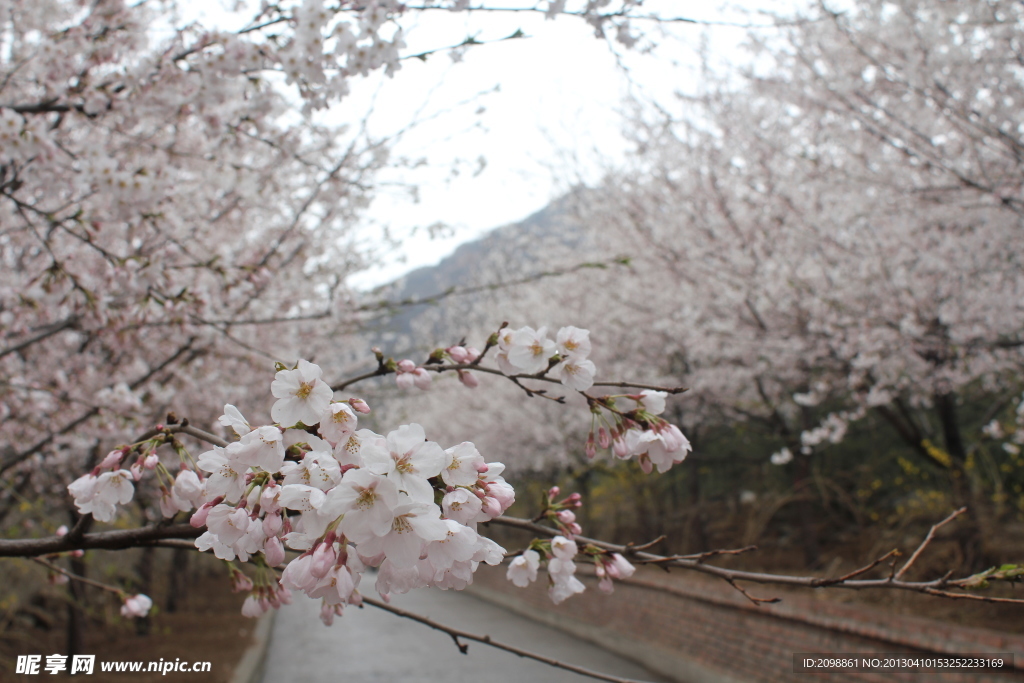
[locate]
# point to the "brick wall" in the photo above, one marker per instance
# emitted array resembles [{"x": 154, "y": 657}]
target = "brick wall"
[{"x": 700, "y": 631}]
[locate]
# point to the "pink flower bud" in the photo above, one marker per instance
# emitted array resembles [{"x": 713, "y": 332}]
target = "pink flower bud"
[
  {"x": 297, "y": 575},
  {"x": 240, "y": 582},
  {"x": 268, "y": 499},
  {"x": 274, "y": 551},
  {"x": 458, "y": 354},
  {"x": 252, "y": 608},
  {"x": 168, "y": 506},
  {"x": 77, "y": 553},
  {"x": 503, "y": 493},
  {"x": 554, "y": 491},
  {"x": 482, "y": 468},
  {"x": 422, "y": 379},
  {"x": 468, "y": 379},
  {"x": 490, "y": 507},
  {"x": 619, "y": 567},
  {"x": 406, "y": 365},
  {"x": 111, "y": 460},
  {"x": 359, "y": 405},
  {"x": 574, "y": 499},
  {"x": 62, "y": 530},
  {"x": 323, "y": 559},
  {"x": 272, "y": 524},
  {"x": 602, "y": 438},
  {"x": 198, "y": 519},
  {"x": 566, "y": 516},
  {"x": 136, "y": 471},
  {"x": 151, "y": 460},
  {"x": 472, "y": 353},
  {"x": 591, "y": 449}
]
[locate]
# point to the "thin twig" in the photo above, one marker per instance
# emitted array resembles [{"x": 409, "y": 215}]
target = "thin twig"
[
  {"x": 862, "y": 570},
  {"x": 76, "y": 577},
  {"x": 700, "y": 557},
  {"x": 644, "y": 546},
  {"x": 757, "y": 601},
  {"x": 633, "y": 385},
  {"x": 927, "y": 540},
  {"x": 486, "y": 640}
]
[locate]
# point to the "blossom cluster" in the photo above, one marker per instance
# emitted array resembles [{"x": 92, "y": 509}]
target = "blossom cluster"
[
  {"x": 345, "y": 498},
  {"x": 560, "y": 554},
  {"x": 527, "y": 351},
  {"x": 561, "y": 551},
  {"x": 636, "y": 431}
]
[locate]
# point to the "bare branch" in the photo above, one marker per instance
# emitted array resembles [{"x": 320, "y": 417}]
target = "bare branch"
[
  {"x": 756, "y": 601},
  {"x": 486, "y": 640},
  {"x": 76, "y": 577},
  {"x": 927, "y": 540},
  {"x": 652, "y": 387}
]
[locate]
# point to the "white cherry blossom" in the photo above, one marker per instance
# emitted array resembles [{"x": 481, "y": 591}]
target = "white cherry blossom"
[
  {"x": 414, "y": 524},
  {"x": 302, "y": 395},
  {"x": 408, "y": 460},
  {"x": 366, "y": 499},
  {"x": 337, "y": 423},
  {"x": 522, "y": 571},
  {"x": 529, "y": 350},
  {"x": 462, "y": 465}
]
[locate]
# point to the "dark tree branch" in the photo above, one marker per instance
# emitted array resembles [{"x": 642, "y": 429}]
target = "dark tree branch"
[{"x": 486, "y": 640}]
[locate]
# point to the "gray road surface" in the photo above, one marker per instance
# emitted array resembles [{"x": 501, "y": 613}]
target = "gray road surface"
[{"x": 370, "y": 645}]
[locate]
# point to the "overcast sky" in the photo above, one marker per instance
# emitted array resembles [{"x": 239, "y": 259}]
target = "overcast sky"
[{"x": 511, "y": 125}]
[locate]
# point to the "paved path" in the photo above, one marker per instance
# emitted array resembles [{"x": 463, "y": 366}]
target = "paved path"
[{"x": 369, "y": 645}]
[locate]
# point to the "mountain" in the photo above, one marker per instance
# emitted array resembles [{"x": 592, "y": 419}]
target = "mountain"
[{"x": 503, "y": 255}]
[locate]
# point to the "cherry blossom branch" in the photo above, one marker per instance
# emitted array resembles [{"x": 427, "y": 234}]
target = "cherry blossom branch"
[
  {"x": 933, "y": 587},
  {"x": 486, "y": 640}
]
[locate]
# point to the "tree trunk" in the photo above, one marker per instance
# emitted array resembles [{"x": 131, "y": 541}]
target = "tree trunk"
[
  {"x": 76, "y": 616},
  {"x": 145, "y": 572},
  {"x": 809, "y": 542},
  {"x": 697, "y": 536},
  {"x": 177, "y": 580}
]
